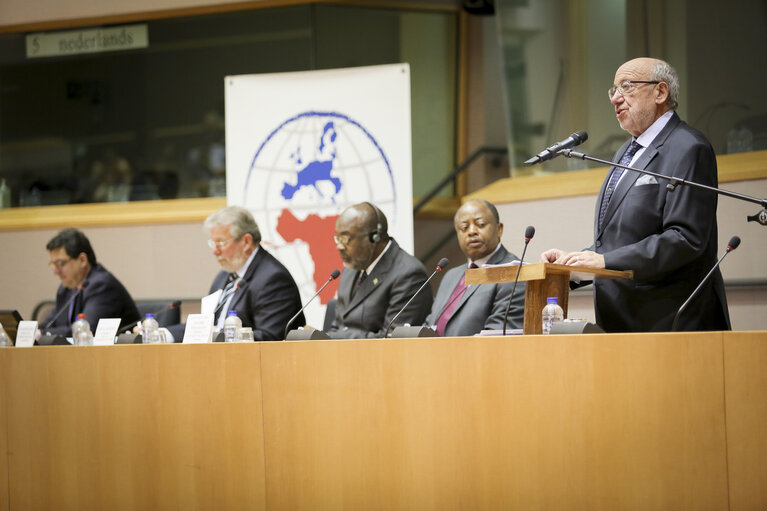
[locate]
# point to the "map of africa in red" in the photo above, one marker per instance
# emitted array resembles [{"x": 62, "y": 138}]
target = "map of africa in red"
[{"x": 317, "y": 232}]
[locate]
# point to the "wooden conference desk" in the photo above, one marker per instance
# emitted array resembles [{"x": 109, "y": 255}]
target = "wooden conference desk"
[{"x": 666, "y": 421}]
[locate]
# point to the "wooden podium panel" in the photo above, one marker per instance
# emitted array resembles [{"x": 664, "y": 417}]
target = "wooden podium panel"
[
  {"x": 543, "y": 280},
  {"x": 601, "y": 422},
  {"x": 745, "y": 370},
  {"x": 3, "y": 429},
  {"x": 135, "y": 427}
]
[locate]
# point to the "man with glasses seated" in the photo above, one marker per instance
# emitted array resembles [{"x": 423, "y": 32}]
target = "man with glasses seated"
[
  {"x": 379, "y": 277},
  {"x": 86, "y": 286},
  {"x": 252, "y": 281},
  {"x": 669, "y": 238}
]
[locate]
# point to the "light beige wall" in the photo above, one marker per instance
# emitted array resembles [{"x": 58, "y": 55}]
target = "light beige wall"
[{"x": 152, "y": 261}]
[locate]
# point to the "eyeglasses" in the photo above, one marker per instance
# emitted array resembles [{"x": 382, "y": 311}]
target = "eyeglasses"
[
  {"x": 627, "y": 87},
  {"x": 345, "y": 239},
  {"x": 219, "y": 244},
  {"x": 58, "y": 263}
]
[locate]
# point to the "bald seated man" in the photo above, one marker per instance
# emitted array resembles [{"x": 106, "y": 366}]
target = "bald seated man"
[
  {"x": 461, "y": 310},
  {"x": 378, "y": 279},
  {"x": 669, "y": 238}
]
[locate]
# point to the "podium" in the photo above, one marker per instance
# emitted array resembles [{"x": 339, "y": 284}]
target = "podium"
[{"x": 543, "y": 280}]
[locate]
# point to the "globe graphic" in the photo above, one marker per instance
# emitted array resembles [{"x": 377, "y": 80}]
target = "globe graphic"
[{"x": 306, "y": 171}]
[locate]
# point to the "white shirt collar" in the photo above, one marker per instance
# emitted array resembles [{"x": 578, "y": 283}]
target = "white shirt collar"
[
  {"x": 483, "y": 260},
  {"x": 646, "y": 138},
  {"x": 372, "y": 265},
  {"x": 242, "y": 269}
]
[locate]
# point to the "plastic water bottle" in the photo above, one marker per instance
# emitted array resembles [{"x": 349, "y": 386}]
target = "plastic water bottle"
[
  {"x": 81, "y": 331},
  {"x": 150, "y": 330},
  {"x": 4, "y": 339},
  {"x": 552, "y": 313},
  {"x": 232, "y": 325}
]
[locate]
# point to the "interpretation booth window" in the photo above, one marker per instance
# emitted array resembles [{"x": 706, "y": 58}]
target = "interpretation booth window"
[{"x": 135, "y": 111}]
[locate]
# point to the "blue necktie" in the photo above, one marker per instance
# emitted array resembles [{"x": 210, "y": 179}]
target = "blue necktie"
[{"x": 617, "y": 172}]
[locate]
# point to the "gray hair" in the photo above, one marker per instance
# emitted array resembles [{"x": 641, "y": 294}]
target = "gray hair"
[
  {"x": 663, "y": 72},
  {"x": 242, "y": 222}
]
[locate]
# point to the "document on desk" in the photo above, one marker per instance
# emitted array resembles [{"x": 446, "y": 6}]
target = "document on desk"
[
  {"x": 209, "y": 303},
  {"x": 199, "y": 328},
  {"x": 106, "y": 331},
  {"x": 25, "y": 334}
]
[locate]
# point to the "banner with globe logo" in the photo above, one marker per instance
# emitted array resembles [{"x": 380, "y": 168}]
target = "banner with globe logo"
[{"x": 301, "y": 147}]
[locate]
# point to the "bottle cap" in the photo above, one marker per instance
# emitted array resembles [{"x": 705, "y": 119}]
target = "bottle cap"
[
  {"x": 232, "y": 313},
  {"x": 149, "y": 315},
  {"x": 552, "y": 299},
  {"x": 81, "y": 315}
]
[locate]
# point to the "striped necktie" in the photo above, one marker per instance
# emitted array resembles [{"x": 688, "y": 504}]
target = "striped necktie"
[{"x": 617, "y": 172}]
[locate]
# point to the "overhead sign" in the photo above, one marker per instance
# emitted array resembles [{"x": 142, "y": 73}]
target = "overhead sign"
[{"x": 94, "y": 40}]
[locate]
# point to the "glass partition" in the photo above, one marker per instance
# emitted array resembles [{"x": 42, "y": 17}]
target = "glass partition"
[
  {"x": 560, "y": 57},
  {"x": 147, "y": 122}
]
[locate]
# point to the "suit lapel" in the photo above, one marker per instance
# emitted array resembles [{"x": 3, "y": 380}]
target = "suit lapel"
[
  {"x": 450, "y": 281},
  {"x": 498, "y": 257},
  {"x": 238, "y": 293},
  {"x": 376, "y": 278},
  {"x": 627, "y": 182}
]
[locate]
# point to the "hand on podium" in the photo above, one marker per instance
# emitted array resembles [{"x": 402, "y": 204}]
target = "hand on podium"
[{"x": 586, "y": 258}]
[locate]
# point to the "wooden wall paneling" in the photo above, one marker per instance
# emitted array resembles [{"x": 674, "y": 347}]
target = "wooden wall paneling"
[
  {"x": 562, "y": 422},
  {"x": 136, "y": 427},
  {"x": 745, "y": 372}
]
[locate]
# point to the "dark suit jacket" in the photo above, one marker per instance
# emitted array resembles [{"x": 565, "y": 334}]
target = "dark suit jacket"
[
  {"x": 668, "y": 238},
  {"x": 103, "y": 297},
  {"x": 482, "y": 306},
  {"x": 395, "y": 278},
  {"x": 266, "y": 299}
]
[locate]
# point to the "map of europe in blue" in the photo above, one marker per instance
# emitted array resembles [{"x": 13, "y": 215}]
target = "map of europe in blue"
[{"x": 319, "y": 169}]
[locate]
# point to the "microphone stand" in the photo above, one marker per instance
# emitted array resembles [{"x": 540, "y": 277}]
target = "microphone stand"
[{"x": 673, "y": 182}]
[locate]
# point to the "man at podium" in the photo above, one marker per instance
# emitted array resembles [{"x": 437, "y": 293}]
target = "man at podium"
[{"x": 668, "y": 238}]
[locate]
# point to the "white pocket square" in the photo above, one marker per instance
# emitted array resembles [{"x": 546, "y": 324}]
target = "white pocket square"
[{"x": 646, "y": 180}]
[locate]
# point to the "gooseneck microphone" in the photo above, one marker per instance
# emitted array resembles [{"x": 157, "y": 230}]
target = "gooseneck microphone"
[
  {"x": 65, "y": 306},
  {"x": 732, "y": 245},
  {"x": 529, "y": 233},
  {"x": 333, "y": 275},
  {"x": 440, "y": 266},
  {"x": 552, "y": 151}
]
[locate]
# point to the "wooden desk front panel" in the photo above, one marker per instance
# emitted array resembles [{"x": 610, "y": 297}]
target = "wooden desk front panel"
[
  {"x": 3, "y": 429},
  {"x": 745, "y": 371},
  {"x": 135, "y": 427},
  {"x": 563, "y": 422}
]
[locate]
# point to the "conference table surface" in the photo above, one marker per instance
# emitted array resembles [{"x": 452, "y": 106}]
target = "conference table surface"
[{"x": 640, "y": 421}]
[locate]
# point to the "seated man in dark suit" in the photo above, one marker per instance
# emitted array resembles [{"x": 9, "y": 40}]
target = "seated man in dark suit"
[
  {"x": 379, "y": 278},
  {"x": 466, "y": 310},
  {"x": 86, "y": 286},
  {"x": 253, "y": 282}
]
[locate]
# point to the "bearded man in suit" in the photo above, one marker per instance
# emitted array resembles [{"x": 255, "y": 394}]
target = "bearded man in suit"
[{"x": 669, "y": 238}]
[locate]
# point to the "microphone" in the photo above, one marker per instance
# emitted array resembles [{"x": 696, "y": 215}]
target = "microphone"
[
  {"x": 552, "y": 151},
  {"x": 65, "y": 306},
  {"x": 732, "y": 245},
  {"x": 529, "y": 233},
  {"x": 162, "y": 309},
  {"x": 333, "y": 275},
  {"x": 440, "y": 266}
]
